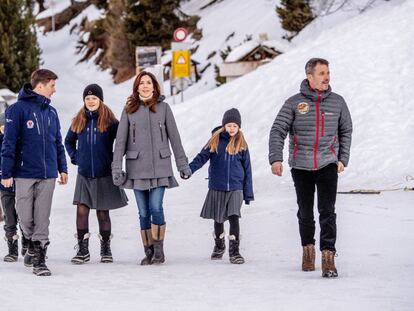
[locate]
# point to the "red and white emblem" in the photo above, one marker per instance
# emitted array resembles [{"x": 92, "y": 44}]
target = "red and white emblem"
[{"x": 30, "y": 124}]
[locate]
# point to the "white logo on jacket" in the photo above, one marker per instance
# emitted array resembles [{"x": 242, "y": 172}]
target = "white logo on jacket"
[{"x": 30, "y": 124}]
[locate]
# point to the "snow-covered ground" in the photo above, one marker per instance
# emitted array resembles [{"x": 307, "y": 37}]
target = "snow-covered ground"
[{"x": 372, "y": 67}]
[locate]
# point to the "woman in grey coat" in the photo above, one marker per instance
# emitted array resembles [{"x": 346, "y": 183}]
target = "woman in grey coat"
[{"x": 145, "y": 132}]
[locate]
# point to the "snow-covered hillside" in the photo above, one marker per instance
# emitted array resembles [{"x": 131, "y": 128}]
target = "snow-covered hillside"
[{"x": 371, "y": 67}]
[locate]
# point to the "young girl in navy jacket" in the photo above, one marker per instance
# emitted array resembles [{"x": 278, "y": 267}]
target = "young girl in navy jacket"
[
  {"x": 230, "y": 182},
  {"x": 89, "y": 143}
]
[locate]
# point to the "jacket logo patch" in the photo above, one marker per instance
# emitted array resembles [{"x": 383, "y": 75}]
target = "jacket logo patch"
[
  {"x": 30, "y": 124},
  {"x": 303, "y": 108}
]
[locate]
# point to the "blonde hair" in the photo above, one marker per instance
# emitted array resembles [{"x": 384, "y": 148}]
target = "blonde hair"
[{"x": 236, "y": 144}]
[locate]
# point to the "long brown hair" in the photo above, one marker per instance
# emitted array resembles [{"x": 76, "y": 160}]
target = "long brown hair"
[
  {"x": 105, "y": 119},
  {"x": 236, "y": 144},
  {"x": 133, "y": 101}
]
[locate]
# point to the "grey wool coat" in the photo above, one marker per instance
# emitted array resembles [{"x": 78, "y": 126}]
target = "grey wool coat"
[
  {"x": 319, "y": 127},
  {"x": 144, "y": 137}
]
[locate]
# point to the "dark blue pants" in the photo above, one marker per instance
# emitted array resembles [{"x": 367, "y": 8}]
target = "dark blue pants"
[
  {"x": 325, "y": 180},
  {"x": 150, "y": 207}
]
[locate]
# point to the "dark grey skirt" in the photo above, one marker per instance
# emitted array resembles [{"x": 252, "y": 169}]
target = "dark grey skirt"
[
  {"x": 219, "y": 205},
  {"x": 99, "y": 193}
]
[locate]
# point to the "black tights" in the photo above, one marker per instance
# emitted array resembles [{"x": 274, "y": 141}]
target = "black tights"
[
  {"x": 234, "y": 227},
  {"x": 82, "y": 222}
]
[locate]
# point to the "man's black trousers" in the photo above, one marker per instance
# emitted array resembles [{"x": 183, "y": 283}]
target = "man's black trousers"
[{"x": 326, "y": 181}]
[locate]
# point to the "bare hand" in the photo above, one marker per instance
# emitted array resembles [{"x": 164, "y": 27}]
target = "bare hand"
[
  {"x": 7, "y": 183},
  {"x": 341, "y": 167},
  {"x": 63, "y": 180},
  {"x": 277, "y": 168}
]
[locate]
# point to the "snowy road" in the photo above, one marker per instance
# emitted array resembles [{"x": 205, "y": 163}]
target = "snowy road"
[{"x": 375, "y": 248}]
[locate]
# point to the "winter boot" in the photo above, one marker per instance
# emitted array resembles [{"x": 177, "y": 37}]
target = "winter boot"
[
  {"x": 158, "y": 234},
  {"x": 12, "y": 243},
  {"x": 148, "y": 242},
  {"x": 39, "y": 259},
  {"x": 82, "y": 256},
  {"x": 328, "y": 264},
  {"x": 234, "y": 254},
  {"x": 25, "y": 244},
  {"x": 219, "y": 247},
  {"x": 28, "y": 257},
  {"x": 106, "y": 254},
  {"x": 308, "y": 258}
]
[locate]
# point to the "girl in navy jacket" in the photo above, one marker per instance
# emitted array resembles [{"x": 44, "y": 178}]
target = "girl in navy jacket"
[
  {"x": 89, "y": 143},
  {"x": 230, "y": 182}
]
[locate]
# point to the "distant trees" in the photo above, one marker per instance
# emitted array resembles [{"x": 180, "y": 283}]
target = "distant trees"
[
  {"x": 19, "y": 49},
  {"x": 294, "y": 15}
]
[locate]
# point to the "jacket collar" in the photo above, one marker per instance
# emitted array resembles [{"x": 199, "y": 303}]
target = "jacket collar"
[
  {"x": 312, "y": 94},
  {"x": 28, "y": 95}
]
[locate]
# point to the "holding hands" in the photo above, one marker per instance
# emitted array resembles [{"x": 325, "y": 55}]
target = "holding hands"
[{"x": 186, "y": 173}]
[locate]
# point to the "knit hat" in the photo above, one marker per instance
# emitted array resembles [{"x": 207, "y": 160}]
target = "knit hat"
[
  {"x": 93, "y": 89},
  {"x": 2, "y": 119},
  {"x": 232, "y": 116}
]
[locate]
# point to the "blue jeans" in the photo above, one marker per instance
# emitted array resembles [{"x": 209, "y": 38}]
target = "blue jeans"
[{"x": 150, "y": 207}]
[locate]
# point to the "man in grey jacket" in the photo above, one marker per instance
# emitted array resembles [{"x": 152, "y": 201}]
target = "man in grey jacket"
[{"x": 320, "y": 129}]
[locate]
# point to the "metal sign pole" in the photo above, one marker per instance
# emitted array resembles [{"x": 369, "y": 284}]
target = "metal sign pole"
[{"x": 182, "y": 89}]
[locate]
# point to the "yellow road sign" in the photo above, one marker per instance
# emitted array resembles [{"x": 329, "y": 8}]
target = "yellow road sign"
[{"x": 181, "y": 64}]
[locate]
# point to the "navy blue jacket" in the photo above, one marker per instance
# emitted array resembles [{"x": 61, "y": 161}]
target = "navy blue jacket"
[
  {"x": 93, "y": 153},
  {"x": 226, "y": 172},
  {"x": 32, "y": 146},
  {"x": 2, "y": 188}
]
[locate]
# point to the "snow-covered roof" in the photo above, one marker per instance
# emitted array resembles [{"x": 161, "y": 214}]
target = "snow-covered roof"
[
  {"x": 7, "y": 92},
  {"x": 241, "y": 51}
]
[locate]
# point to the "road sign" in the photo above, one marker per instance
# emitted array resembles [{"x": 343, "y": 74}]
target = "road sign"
[
  {"x": 180, "y": 34},
  {"x": 181, "y": 64},
  {"x": 146, "y": 56}
]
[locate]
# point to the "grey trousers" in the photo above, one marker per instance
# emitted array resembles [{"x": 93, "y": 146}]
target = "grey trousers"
[
  {"x": 10, "y": 215},
  {"x": 33, "y": 205}
]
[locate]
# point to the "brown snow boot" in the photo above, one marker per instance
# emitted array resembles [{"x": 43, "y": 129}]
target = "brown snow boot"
[
  {"x": 308, "y": 258},
  {"x": 328, "y": 264},
  {"x": 158, "y": 234},
  {"x": 148, "y": 242}
]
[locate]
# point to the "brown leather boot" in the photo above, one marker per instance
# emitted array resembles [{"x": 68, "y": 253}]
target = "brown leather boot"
[
  {"x": 308, "y": 258},
  {"x": 148, "y": 242},
  {"x": 328, "y": 264},
  {"x": 158, "y": 234}
]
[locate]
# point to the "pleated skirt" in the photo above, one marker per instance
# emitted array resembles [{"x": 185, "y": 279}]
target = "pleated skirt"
[
  {"x": 98, "y": 193},
  {"x": 219, "y": 205}
]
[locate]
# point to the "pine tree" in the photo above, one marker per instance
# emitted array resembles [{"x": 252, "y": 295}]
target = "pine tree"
[
  {"x": 19, "y": 49},
  {"x": 151, "y": 22},
  {"x": 294, "y": 15}
]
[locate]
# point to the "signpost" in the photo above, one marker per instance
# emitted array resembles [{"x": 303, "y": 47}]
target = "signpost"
[
  {"x": 181, "y": 62},
  {"x": 146, "y": 56}
]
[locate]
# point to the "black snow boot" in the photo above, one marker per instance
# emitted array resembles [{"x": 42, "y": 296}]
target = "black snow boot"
[
  {"x": 39, "y": 259},
  {"x": 25, "y": 244},
  {"x": 234, "y": 254},
  {"x": 82, "y": 256},
  {"x": 12, "y": 244},
  {"x": 106, "y": 254},
  {"x": 28, "y": 257},
  {"x": 158, "y": 234},
  {"x": 219, "y": 247},
  {"x": 148, "y": 242}
]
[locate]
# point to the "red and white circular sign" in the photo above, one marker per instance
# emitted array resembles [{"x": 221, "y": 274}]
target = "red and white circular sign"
[{"x": 180, "y": 34}]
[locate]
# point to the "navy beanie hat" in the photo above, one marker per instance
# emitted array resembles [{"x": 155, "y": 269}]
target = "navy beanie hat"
[
  {"x": 93, "y": 89},
  {"x": 232, "y": 116}
]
